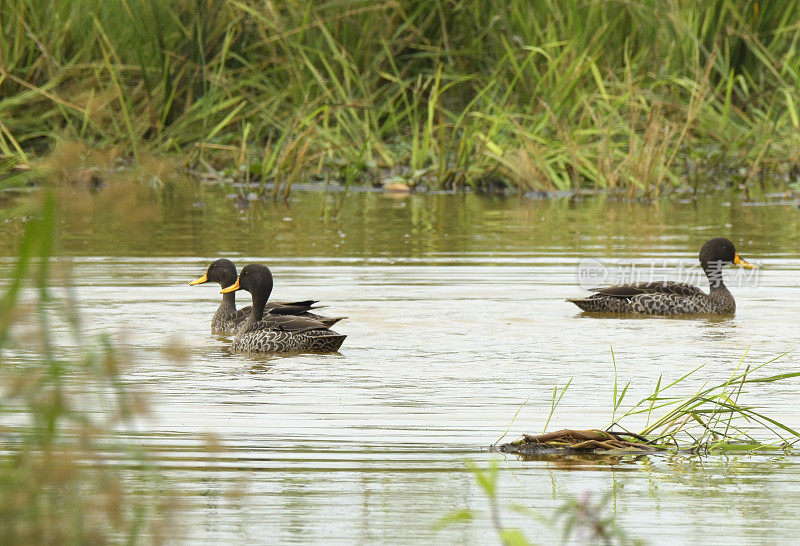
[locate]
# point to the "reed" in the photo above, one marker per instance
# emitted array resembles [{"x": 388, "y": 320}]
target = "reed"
[
  {"x": 712, "y": 418},
  {"x": 641, "y": 97}
]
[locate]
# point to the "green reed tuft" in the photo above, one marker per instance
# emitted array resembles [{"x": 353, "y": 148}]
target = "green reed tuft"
[{"x": 712, "y": 418}]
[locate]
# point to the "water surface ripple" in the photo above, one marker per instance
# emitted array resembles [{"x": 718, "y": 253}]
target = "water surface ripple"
[{"x": 456, "y": 316}]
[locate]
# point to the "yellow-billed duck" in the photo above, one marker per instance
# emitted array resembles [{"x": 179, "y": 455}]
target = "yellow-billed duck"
[
  {"x": 227, "y": 317},
  {"x": 673, "y": 298},
  {"x": 262, "y": 333}
]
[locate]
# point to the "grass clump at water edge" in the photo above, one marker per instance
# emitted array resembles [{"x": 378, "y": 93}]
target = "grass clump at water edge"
[{"x": 642, "y": 97}]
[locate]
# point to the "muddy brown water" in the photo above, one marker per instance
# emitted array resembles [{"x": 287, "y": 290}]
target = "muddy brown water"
[{"x": 456, "y": 316}]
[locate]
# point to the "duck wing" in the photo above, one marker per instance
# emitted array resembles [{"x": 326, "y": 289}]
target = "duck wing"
[
  {"x": 289, "y": 323},
  {"x": 276, "y": 308},
  {"x": 277, "y": 313},
  {"x": 656, "y": 287},
  {"x": 239, "y": 315},
  {"x": 290, "y": 308}
]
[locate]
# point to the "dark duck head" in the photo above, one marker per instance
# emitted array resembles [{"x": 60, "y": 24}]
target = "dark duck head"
[
  {"x": 256, "y": 279},
  {"x": 221, "y": 271},
  {"x": 716, "y": 254}
]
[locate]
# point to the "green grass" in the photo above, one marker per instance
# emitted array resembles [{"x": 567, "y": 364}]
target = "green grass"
[
  {"x": 642, "y": 96},
  {"x": 712, "y": 419}
]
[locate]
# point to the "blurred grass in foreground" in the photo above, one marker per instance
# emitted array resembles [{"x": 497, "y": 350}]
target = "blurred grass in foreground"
[
  {"x": 66, "y": 476},
  {"x": 641, "y": 96}
]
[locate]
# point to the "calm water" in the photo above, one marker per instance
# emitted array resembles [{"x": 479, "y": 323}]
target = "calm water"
[{"x": 456, "y": 317}]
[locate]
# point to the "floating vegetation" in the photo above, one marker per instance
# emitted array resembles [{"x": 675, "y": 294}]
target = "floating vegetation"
[
  {"x": 710, "y": 420},
  {"x": 568, "y": 441}
]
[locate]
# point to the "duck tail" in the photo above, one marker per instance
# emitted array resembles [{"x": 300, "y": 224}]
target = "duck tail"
[
  {"x": 330, "y": 321},
  {"x": 583, "y": 304},
  {"x": 304, "y": 303},
  {"x": 325, "y": 341}
]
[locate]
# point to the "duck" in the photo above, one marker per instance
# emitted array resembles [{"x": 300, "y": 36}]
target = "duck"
[
  {"x": 227, "y": 317},
  {"x": 260, "y": 333},
  {"x": 673, "y": 298}
]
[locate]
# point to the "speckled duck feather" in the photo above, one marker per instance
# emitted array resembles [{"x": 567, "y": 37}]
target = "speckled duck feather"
[{"x": 676, "y": 299}]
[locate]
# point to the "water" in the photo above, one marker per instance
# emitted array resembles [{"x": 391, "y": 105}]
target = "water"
[{"x": 456, "y": 316}]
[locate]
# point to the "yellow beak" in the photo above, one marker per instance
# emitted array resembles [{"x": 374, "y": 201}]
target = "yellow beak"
[
  {"x": 200, "y": 280},
  {"x": 232, "y": 288},
  {"x": 739, "y": 261}
]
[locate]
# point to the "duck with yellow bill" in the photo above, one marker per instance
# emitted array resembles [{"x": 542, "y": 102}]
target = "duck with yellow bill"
[{"x": 673, "y": 298}]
